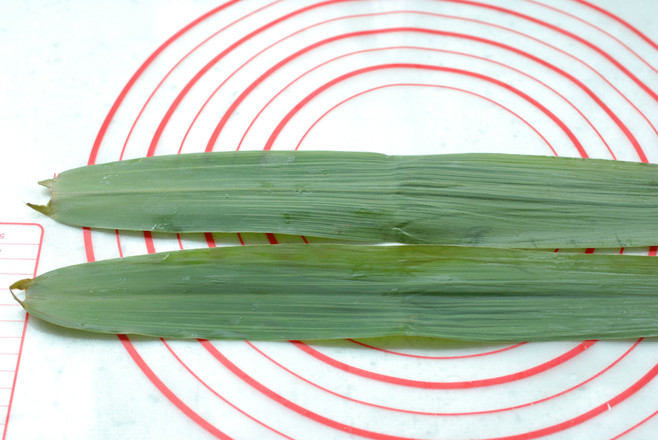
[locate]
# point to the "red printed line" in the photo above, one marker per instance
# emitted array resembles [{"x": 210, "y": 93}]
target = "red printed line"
[
  {"x": 637, "y": 425},
  {"x": 337, "y": 80},
  {"x": 432, "y": 49},
  {"x": 619, "y": 20},
  {"x": 166, "y": 391},
  {"x": 289, "y": 404},
  {"x": 375, "y": 435},
  {"x": 470, "y": 413},
  {"x": 444, "y": 385},
  {"x": 439, "y": 50},
  {"x": 566, "y": 33},
  {"x": 116, "y": 232},
  {"x": 41, "y": 232},
  {"x": 232, "y": 108},
  {"x": 606, "y": 406},
  {"x": 148, "y": 239},
  {"x": 15, "y": 372},
  {"x": 179, "y": 98},
  {"x": 222, "y": 398},
  {"x": 599, "y": 29},
  {"x": 157, "y": 87},
  {"x": 131, "y": 82},
  {"x": 210, "y": 240},
  {"x": 417, "y": 356},
  {"x": 89, "y": 247},
  {"x": 213, "y": 138},
  {"x": 22, "y": 337},
  {"x": 310, "y": 128},
  {"x": 274, "y": 22}
]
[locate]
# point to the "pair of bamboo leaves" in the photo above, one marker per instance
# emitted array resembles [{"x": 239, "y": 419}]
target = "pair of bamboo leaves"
[{"x": 476, "y": 262}]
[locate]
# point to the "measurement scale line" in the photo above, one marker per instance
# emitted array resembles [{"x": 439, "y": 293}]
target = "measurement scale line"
[
  {"x": 18, "y": 363},
  {"x": 14, "y": 372}
]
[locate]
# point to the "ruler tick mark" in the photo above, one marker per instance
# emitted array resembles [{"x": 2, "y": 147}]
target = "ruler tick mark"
[{"x": 23, "y": 253}]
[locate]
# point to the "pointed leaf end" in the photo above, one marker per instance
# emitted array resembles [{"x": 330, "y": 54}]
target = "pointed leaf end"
[
  {"x": 48, "y": 183},
  {"x": 43, "y": 209},
  {"x": 23, "y": 284}
]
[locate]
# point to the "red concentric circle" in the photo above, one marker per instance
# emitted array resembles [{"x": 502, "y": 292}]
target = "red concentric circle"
[{"x": 551, "y": 77}]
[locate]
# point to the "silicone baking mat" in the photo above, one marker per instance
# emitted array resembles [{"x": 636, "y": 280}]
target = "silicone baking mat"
[{"x": 91, "y": 82}]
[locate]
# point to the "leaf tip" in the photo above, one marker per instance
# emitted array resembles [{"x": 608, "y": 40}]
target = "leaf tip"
[
  {"x": 23, "y": 284},
  {"x": 48, "y": 183},
  {"x": 43, "y": 209}
]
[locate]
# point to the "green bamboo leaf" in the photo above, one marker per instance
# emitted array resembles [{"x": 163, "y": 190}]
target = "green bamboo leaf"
[
  {"x": 495, "y": 200},
  {"x": 325, "y": 291}
]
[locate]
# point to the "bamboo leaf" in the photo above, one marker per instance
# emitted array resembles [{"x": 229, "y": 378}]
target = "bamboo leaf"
[
  {"x": 322, "y": 291},
  {"x": 464, "y": 199}
]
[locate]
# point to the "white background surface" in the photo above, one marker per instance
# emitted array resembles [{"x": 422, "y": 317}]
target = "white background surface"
[{"x": 62, "y": 65}]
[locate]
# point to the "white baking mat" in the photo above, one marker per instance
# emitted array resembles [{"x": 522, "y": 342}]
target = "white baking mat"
[{"x": 90, "y": 82}]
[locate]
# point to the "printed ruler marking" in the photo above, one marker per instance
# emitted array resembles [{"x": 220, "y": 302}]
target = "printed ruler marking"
[{"x": 20, "y": 249}]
